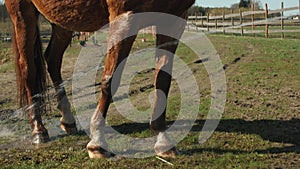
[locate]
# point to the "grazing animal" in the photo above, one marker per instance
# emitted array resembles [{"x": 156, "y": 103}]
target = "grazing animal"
[{"x": 87, "y": 15}]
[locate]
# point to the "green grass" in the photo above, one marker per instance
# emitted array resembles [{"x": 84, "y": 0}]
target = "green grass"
[
  {"x": 259, "y": 128},
  {"x": 6, "y": 59},
  {"x": 287, "y": 35},
  {"x": 6, "y": 67}
]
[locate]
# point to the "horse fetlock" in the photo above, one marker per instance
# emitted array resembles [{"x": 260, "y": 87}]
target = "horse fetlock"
[
  {"x": 67, "y": 122},
  {"x": 64, "y": 104},
  {"x": 40, "y": 137},
  {"x": 69, "y": 128},
  {"x": 98, "y": 140},
  {"x": 98, "y": 134},
  {"x": 164, "y": 141},
  {"x": 65, "y": 109}
]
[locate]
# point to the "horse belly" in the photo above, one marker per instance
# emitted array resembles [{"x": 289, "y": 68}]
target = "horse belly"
[{"x": 74, "y": 15}]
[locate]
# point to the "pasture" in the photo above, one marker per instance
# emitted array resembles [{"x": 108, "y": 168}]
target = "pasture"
[{"x": 260, "y": 127}]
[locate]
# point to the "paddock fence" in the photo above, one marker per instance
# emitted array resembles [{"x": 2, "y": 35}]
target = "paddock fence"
[{"x": 253, "y": 22}]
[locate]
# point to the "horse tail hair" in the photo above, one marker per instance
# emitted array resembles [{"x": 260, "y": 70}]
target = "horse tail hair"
[
  {"x": 40, "y": 69},
  {"x": 21, "y": 91}
]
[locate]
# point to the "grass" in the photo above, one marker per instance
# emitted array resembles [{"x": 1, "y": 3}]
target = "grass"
[
  {"x": 288, "y": 35},
  {"x": 259, "y": 128},
  {"x": 6, "y": 63}
]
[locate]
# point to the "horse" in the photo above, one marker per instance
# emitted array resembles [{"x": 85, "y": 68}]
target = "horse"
[{"x": 87, "y": 16}]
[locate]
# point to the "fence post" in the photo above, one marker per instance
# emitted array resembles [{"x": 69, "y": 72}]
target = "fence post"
[
  {"x": 282, "y": 21},
  {"x": 267, "y": 25},
  {"x": 232, "y": 20},
  {"x": 202, "y": 24},
  {"x": 223, "y": 22},
  {"x": 253, "y": 8},
  {"x": 241, "y": 22},
  {"x": 207, "y": 22},
  {"x": 216, "y": 22},
  {"x": 196, "y": 19},
  {"x": 153, "y": 31}
]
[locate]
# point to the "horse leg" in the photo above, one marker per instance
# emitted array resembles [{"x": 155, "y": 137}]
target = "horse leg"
[
  {"x": 60, "y": 39},
  {"x": 118, "y": 50},
  {"x": 166, "y": 47},
  {"x": 29, "y": 64}
]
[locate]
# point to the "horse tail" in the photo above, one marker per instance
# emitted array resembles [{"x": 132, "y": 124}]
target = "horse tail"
[
  {"x": 21, "y": 91},
  {"x": 40, "y": 67}
]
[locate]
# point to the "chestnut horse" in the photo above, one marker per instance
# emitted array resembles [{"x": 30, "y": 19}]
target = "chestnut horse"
[{"x": 87, "y": 15}]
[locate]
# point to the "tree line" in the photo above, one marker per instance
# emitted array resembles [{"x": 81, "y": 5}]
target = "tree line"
[
  {"x": 243, "y": 4},
  {"x": 3, "y": 13}
]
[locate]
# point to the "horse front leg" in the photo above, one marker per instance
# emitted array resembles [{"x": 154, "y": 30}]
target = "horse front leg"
[
  {"x": 166, "y": 47},
  {"x": 60, "y": 39},
  {"x": 30, "y": 67},
  {"x": 119, "y": 46}
]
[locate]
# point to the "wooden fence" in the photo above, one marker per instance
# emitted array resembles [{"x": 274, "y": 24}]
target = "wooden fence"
[{"x": 248, "y": 22}]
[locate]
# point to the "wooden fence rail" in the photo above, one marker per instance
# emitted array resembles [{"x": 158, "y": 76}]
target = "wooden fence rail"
[{"x": 243, "y": 21}]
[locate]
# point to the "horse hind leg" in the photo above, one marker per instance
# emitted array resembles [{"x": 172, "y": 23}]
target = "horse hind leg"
[
  {"x": 29, "y": 64},
  {"x": 60, "y": 39},
  {"x": 166, "y": 47}
]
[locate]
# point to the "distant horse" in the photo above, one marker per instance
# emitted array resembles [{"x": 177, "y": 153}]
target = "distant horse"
[{"x": 87, "y": 15}]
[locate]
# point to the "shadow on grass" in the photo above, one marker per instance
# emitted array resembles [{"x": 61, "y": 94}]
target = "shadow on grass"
[
  {"x": 280, "y": 131},
  {"x": 286, "y": 149}
]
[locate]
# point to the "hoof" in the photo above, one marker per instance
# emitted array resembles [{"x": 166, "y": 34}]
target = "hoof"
[
  {"x": 172, "y": 153},
  {"x": 98, "y": 152},
  {"x": 39, "y": 138},
  {"x": 69, "y": 128}
]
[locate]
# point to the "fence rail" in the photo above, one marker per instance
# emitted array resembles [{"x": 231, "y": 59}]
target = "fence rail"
[{"x": 243, "y": 21}]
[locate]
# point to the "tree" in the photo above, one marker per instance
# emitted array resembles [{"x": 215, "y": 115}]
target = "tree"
[
  {"x": 247, "y": 4},
  {"x": 197, "y": 10},
  {"x": 3, "y": 12}
]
